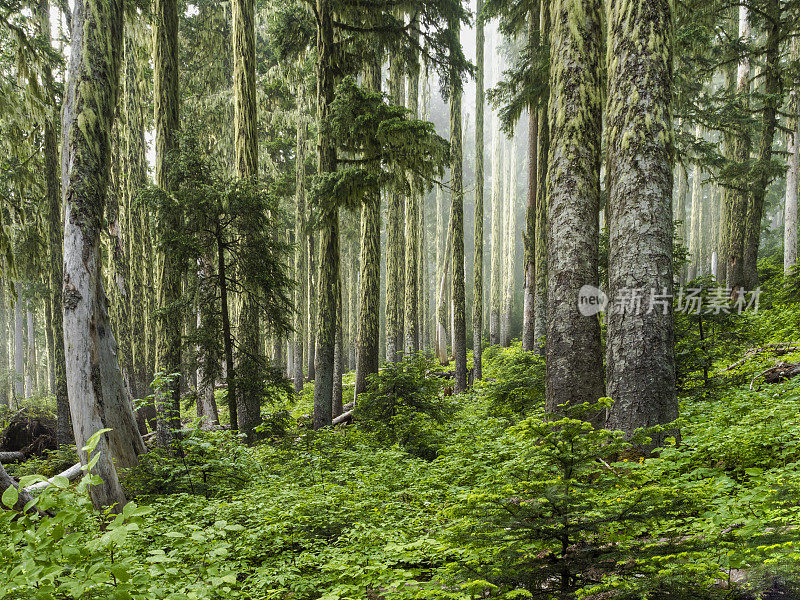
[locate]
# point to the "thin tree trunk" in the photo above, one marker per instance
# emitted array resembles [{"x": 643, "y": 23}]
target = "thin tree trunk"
[
  {"x": 540, "y": 243},
  {"x": 497, "y": 237},
  {"x": 790, "y": 203},
  {"x": 640, "y": 343},
  {"x": 477, "y": 296},
  {"x": 32, "y": 371},
  {"x": 5, "y": 397},
  {"x": 169, "y": 321},
  {"x": 19, "y": 346},
  {"x": 300, "y": 263},
  {"x": 97, "y": 396},
  {"x": 510, "y": 285}
]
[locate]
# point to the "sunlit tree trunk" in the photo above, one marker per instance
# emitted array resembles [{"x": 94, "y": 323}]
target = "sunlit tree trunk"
[
  {"x": 640, "y": 343},
  {"x": 97, "y": 396}
]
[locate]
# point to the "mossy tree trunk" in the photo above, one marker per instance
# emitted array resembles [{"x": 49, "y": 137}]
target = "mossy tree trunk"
[
  {"x": 249, "y": 364},
  {"x": 640, "y": 343},
  {"x": 457, "y": 225},
  {"x": 412, "y": 233},
  {"x": 327, "y": 285},
  {"x": 477, "y": 297},
  {"x": 540, "y": 242},
  {"x": 792, "y": 175},
  {"x": 495, "y": 293},
  {"x": 168, "y": 274},
  {"x": 574, "y": 355},
  {"x": 368, "y": 341},
  {"x": 97, "y": 396}
]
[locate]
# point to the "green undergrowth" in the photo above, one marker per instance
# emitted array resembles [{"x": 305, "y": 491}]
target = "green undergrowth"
[{"x": 431, "y": 496}]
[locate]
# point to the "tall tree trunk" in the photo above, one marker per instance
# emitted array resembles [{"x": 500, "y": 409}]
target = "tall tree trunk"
[
  {"x": 5, "y": 397},
  {"x": 640, "y": 358},
  {"x": 495, "y": 304},
  {"x": 311, "y": 291},
  {"x": 54, "y": 244},
  {"x": 792, "y": 174},
  {"x": 368, "y": 341},
  {"x": 32, "y": 360},
  {"x": 457, "y": 225},
  {"x": 395, "y": 226},
  {"x": 338, "y": 357},
  {"x": 540, "y": 243},
  {"x": 168, "y": 276},
  {"x": 329, "y": 225},
  {"x": 98, "y": 399},
  {"x": 574, "y": 355},
  {"x": 250, "y": 361},
  {"x": 773, "y": 97},
  {"x": 227, "y": 333},
  {"x": 135, "y": 215},
  {"x": 529, "y": 238},
  {"x": 680, "y": 211},
  {"x": 412, "y": 233},
  {"x": 697, "y": 213},
  {"x": 19, "y": 346},
  {"x": 477, "y": 296},
  {"x": 509, "y": 285},
  {"x": 300, "y": 263},
  {"x": 737, "y": 197}
]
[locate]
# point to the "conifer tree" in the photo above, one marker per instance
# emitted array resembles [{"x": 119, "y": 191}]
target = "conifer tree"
[
  {"x": 540, "y": 243},
  {"x": 168, "y": 276},
  {"x": 497, "y": 241},
  {"x": 412, "y": 233},
  {"x": 457, "y": 220},
  {"x": 792, "y": 175},
  {"x": 574, "y": 357},
  {"x": 477, "y": 302},
  {"x": 99, "y": 401},
  {"x": 640, "y": 343}
]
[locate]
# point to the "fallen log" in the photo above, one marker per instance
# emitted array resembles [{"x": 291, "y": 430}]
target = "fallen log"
[
  {"x": 73, "y": 473},
  {"x": 22, "y": 499},
  {"x": 8, "y": 457},
  {"x": 775, "y": 348},
  {"x": 343, "y": 418},
  {"x": 778, "y": 373}
]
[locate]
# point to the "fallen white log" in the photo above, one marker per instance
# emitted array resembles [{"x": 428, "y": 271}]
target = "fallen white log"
[
  {"x": 7, "y": 457},
  {"x": 342, "y": 418},
  {"x": 71, "y": 474}
]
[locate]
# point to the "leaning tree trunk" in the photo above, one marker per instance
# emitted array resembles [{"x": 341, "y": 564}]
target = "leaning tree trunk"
[
  {"x": 640, "y": 358},
  {"x": 98, "y": 399},
  {"x": 477, "y": 297},
  {"x": 368, "y": 341},
  {"x": 574, "y": 356}
]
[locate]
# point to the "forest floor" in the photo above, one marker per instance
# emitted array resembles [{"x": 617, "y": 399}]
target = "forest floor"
[{"x": 477, "y": 495}]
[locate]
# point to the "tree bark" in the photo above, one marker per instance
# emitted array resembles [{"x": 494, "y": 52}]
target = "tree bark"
[
  {"x": 368, "y": 341},
  {"x": 97, "y": 396},
  {"x": 168, "y": 275},
  {"x": 790, "y": 203},
  {"x": 640, "y": 343},
  {"x": 495, "y": 303},
  {"x": 412, "y": 233},
  {"x": 19, "y": 346},
  {"x": 300, "y": 263},
  {"x": 477, "y": 284},
  {"x": 329, "y": 225}
]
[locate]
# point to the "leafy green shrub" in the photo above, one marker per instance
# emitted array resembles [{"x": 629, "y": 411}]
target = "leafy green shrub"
[
  {"x": 51, "y": 463},
  {"x": 513, "y": 380},
  {"x": 404, "y": 405},
  {"x": 207, "y": 463}
]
